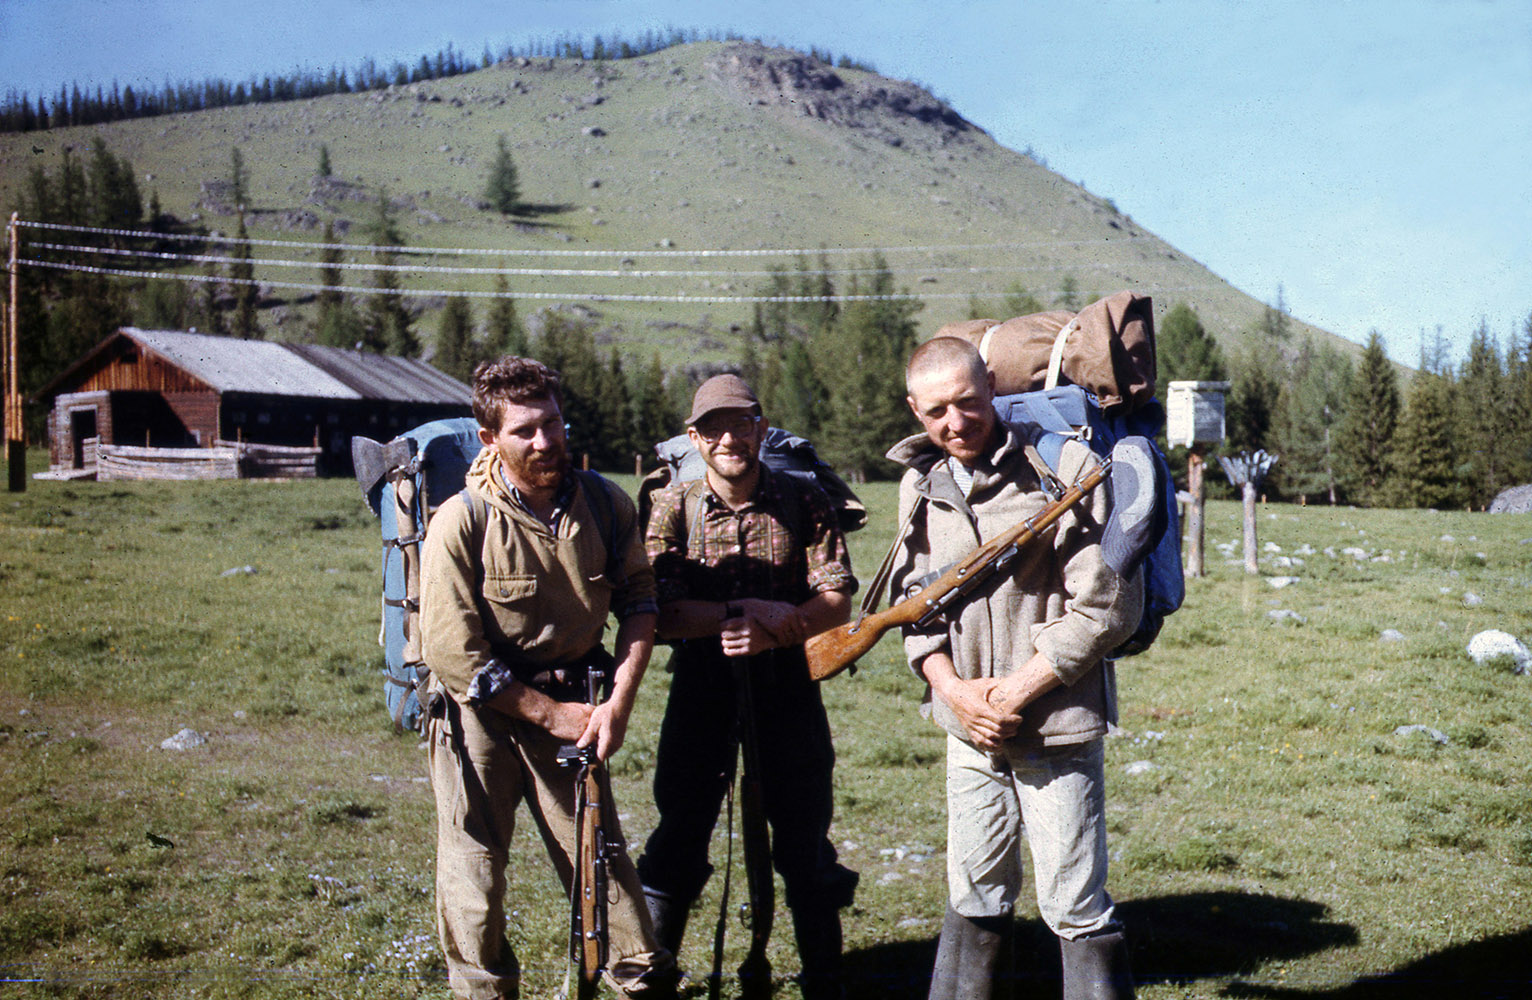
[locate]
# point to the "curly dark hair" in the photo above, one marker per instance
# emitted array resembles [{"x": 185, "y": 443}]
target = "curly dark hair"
[{"x": 511, "y": 379}]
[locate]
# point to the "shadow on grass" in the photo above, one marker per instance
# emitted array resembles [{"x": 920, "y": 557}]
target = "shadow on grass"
[
  {"x": 1206, "y": 935},
  {"x": 1499, "y": 968}
]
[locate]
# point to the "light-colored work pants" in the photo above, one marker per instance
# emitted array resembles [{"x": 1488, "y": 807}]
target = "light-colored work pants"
[
  {"x": 483, "y": 764},
  {"x": 1055, "y": 799}
]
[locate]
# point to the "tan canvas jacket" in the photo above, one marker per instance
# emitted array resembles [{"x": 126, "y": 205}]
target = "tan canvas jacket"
[
  {"x": 541, "y": 598},
  {"x": 1060, "y": 597}
]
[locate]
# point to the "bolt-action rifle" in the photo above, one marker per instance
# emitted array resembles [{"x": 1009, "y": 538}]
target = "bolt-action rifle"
[
  {"x": 592, "y": 870},
  {"x": 834, "y": 650}
]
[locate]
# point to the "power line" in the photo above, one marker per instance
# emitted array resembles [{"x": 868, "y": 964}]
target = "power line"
[
  {"x": 560, "y": 296},
  {"x": 552, "y": 252}
]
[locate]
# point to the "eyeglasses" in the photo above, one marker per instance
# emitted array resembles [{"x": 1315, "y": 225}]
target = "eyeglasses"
[{"x": 714, "y": 428}]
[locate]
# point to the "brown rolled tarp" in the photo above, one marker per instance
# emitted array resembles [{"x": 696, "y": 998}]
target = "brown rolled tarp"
[{"x": 1109, "y": 352}]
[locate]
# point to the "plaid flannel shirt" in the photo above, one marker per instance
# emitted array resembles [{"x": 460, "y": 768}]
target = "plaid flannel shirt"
[{"x": 748, "y": 552}]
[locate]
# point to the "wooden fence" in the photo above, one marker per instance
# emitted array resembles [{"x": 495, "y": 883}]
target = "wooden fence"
[{"x": 227, "y": 460}]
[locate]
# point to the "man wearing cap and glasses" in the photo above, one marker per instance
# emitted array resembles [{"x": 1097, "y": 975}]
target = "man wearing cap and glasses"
[{"x": 747, "y": 563}]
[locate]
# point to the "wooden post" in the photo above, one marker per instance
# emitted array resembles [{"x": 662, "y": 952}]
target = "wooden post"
[
  {"x": 15, "y": 438},
  {"x": 1252, "y": 564},
  {"x": 1195, "y": 532}
]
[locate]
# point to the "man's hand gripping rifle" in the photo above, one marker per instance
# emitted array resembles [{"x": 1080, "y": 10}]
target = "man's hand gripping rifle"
[
  {"x": 832, "y": 651},
  {"x": 588, "y": 890}
]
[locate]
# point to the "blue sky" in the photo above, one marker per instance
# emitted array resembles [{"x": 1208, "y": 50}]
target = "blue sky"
[{"x": 1370, "y": 157}]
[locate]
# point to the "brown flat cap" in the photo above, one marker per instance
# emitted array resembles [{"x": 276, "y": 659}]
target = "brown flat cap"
[{"x": 722, "y": 392}]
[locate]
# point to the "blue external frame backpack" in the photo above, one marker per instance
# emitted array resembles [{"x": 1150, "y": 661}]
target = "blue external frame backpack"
[
  {"x": 1144, "y": 526},
  {"x": 403, "y": 482}
]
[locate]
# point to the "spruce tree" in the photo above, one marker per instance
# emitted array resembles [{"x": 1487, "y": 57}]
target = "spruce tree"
[
  {"x": 861, "y": 362},
  {"x": 1484, "y": 421},
  {"x": 1364, "y": 439},
  {"x": 1252, "y": 400},
  {"x": 1310, "y": 406},
  {"x": 239, "y": 179},
  {"x": 1425, "y": 458},
  {"x": 388, "y": 326},
  {"x": 655, "y": 418},
  {"x": 242, "y": 280},
  {"x": 324, "y": 160},
  {"x": 454, "y": 340},
  {"x": 1519, "y": 404},
  {"x": 614, "y": 410},
  {"x": 503, "y": 190},
  {"x": 503, "y": 333},
  {"x": 1185, "y": 351},
  {"x": 1017, "y": 301}
]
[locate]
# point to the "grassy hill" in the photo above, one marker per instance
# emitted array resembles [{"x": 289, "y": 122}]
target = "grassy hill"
[{"x": 651, "y": 161}]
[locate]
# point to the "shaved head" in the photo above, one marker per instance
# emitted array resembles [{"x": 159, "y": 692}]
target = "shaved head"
[
  {"x": 944, "y": 354},
  {"x": 952, "y": 394}
]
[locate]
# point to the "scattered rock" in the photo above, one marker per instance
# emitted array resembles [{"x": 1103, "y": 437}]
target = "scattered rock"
[
  {"x": 1286, "y": 615},
  {"x": 186, "y": 739},
  {"x": 1278, "y": 582},
  {"x": 1141, "y": 767},
  {"x": 1391, "y": 635},
  {"x": 1493, "y": 644},
  {"x": 238, "y": 570},
  {"x": 1436, "y": 734},
  {"x": 1472, "y": 600}
]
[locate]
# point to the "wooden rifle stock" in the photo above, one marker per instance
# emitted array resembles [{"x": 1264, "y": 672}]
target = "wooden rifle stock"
[
  {"x": 588, "y": 894},
  {"x": 834, "y": 650}
]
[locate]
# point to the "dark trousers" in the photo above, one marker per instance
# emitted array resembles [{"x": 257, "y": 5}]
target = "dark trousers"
[{"x": 696, "y": 761}]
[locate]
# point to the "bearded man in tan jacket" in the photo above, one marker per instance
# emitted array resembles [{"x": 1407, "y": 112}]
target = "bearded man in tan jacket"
[
  {"x": 1019, "y": 680},
  {"x": 519, "y": 574}
]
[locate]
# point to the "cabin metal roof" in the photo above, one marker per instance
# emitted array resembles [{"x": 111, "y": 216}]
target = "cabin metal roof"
[{"x": 228, "y": 364}]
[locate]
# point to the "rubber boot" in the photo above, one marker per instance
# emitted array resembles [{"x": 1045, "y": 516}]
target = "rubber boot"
[
  {"x": 973, "y": 958},
  {"x": 1096, "y": 967},
  {"x": 817, "y": 930},
  {"x": 668, "y": 913}
]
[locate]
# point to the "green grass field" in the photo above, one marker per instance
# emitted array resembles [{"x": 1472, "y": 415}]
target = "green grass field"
[{"x": 1275, "y": 838}]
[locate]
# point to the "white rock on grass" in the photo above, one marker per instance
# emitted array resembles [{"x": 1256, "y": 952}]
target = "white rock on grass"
[
  {"x": 1286, "y": 615},
  {"x": 1391, "y": 635},
  {"x": 1435, "y": 734},
  {"x": 1141, "y": 767},
  {"x": 1472, "y": 600},
  {"x": 1279, "y": 582},
  {"x": 186, "y": 739},
  {"x": 1493, "y": 644}
]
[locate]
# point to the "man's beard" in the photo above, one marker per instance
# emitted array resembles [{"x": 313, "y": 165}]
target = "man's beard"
[{"x": 541, "y": 471}]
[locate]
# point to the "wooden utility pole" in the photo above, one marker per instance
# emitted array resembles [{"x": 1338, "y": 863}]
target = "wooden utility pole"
[{"x": 15, "y": 438}]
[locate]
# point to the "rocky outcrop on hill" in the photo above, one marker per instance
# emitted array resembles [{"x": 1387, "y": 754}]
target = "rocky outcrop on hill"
[{"x": 884, "y": 108}]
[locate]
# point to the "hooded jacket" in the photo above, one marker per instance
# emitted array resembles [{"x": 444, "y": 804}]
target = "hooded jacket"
[
  {"x": 515, "y": 590},
  {"x": 1059, "y": 597}
]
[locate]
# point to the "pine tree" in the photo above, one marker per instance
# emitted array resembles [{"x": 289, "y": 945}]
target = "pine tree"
[
  {"x": 797, "y": 394},
  {"x": 614, "y": 410},
  {"x": 1364, "y": 439},
  {"x": 324, "y": 160},
  {"x": 1069, "y": 294},
  {"x": 1185, "y": 351},
  {"x": 568, "y": 346},
  {"x": 242, "y": 279},
  {"x": 330, "y": 273},
  {"x": 503, "y": 191},
  {"x": 454, "y": 340}
]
